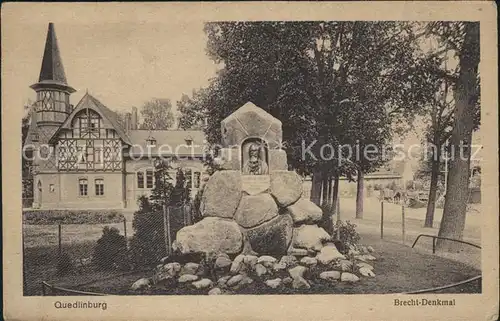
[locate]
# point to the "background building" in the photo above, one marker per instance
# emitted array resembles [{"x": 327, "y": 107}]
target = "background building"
[{"x": 83, "y": 156}]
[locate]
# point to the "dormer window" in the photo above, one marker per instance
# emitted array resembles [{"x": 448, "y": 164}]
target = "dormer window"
[{"x": 150, "y": 142}]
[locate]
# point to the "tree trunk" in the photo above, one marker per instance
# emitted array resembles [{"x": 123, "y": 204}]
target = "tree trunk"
[
  {"x": 431, "y": 204},
  {"x": 324, "y": 194},
  {"x": 330, "y": 192},
  {"x": 335, "y": 193},
  {"x": 317, "y": 180},
  {"x": 466, "y": 95},
  {"x": 327, "y": 220},
  {"x": 359, "y": 195}
]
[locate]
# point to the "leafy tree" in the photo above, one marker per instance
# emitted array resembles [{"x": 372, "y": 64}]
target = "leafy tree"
[
  {"x": 27, "y": 178},
  {"x": 463, "y": 38},
  {"x": 157, "y": 115},
  {"x": 121, "y": 116},
  {"x": 188, "y": 108},
  {"x": 111, "y": 250},
  {"x": 148, "y": 242},
  {"x": 310, "y": 75}
]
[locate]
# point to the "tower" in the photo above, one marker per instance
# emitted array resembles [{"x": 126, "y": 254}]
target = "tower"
[{"x": 52, "y": 105}]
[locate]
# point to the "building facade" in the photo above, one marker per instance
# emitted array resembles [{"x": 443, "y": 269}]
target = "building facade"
[{"x": 85, "y": 156}]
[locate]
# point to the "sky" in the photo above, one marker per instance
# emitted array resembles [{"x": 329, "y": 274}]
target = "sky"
[{"x": 123, "y": 64}]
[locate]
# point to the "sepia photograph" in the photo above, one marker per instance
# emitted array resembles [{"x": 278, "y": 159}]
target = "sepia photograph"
[{"x": 210, "y": 155}]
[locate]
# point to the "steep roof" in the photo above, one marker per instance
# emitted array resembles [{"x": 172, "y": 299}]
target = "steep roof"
[
  {"x": 168, "y": 142},
  {"x": 88, "y": 101},
  {"x": 52, "y": 70}
]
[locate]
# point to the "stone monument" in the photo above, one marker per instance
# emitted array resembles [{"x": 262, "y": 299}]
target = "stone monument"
[{"x": 253, "y": 205}]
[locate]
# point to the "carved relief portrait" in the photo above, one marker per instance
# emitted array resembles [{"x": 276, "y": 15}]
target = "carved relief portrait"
[{"x": 254, "y": 157}]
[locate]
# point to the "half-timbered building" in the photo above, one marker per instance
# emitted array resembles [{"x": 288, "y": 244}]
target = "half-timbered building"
[{"x": 85, "y": 156}]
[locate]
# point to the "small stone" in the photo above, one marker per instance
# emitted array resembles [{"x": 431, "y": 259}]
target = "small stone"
[
  {"x": 309, "y": 237},
  {"x": 215, "y": 291},
  {"x": 274, "y": 283},
  {"x": 370, "y": 257},
  {"x": 223, "y": 280},
  {"x": 287, "y": 280},
  {"x": 330, "y": 275},
  {"x": 364, "y": 250},
  {"x": 246, "y": 280},
  {"x": 297, "y": 271},
  {"x": 370, "y": 249},
  {"x": 234, "y": 280},
  {"x": 266, "y": 260},
  {"x": 354, "y": 252},
  {"x": 297, "y": 274},
  {"x": 189, "y": 268},
  {"x": 309, "y": 261},
  {"x": 300, "y": 284},
  {"x": 297, "y": 252},
  {"x": 202, "y": 284},
  {"x": 279, "y": 266},
  {"x": 187, "y": 278},
  {"x": 364, "y": 265},
  {"x": 222, "y": 262},
  {"x": 260, "y": 269},
  {"x": 164, "y": 259},
  {"x": 250, "y": 260},
  {"x": 172, "y": 268},
  {"x": 328, "y": 254},
  {"x": 348, "y": 277},
  {"x": 288, "y": 260},
  {"x": 345, "y": 265},
  {"x": 140, "y": 284},
  {"x": 237, "y": 264},
  {"x": 366, "y": 272}
]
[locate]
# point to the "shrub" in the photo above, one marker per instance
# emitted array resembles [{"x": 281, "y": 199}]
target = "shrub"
[
  {"x": 54, "y": 217},
  {"x": 348, "y": 234},
  {"x": 111, "y": 250},
  {"x": 147, "y": 246},
  {"x": 64, "y": 264}
]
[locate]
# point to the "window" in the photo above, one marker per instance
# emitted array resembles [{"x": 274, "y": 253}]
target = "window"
[
  {"x": 82, "y": 183},
  {"x": 196, "y": 180},
  {"x": 52, "y": 188},
  {"x": 149, "y": 178},
  {"x": 140, "y": 180},
  {"x": 151, "y": 142},
  {"x": 99, "y": 187},
  {"x": 87, "y": 124},
  {"x": 189, "y": 140},
  {"x": 189, "y": 178}
]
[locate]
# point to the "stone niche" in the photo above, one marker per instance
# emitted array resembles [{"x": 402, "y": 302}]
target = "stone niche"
[{"x": 254, "y": 192}]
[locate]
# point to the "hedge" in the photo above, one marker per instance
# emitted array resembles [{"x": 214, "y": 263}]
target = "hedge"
[{"x": 54, "y": 217}]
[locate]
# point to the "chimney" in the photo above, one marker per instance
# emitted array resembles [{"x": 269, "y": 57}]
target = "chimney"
[
  {"x": 134, "y": 124},
  {"x": 127, "y": 121}
]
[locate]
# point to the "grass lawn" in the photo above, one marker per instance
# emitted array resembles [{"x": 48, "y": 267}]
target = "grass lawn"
[{"x": 398, "y": 269}]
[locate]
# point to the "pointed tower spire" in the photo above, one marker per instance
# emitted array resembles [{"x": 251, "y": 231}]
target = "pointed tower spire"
[{"x": 52, "y": 70}]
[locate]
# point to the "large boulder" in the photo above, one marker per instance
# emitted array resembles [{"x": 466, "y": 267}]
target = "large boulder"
[
  {"x": 305, "y": 211},
  {"x": 221, "y": 194},
  {"x": 277, "y": 160},
  {"x": 286, "y": 187},
  {"x": 210, "y": 235},
  {"x": 272, "y": 237},
  {"x": 309, "y": 237},
  {"x": 255, "y": 209}
]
